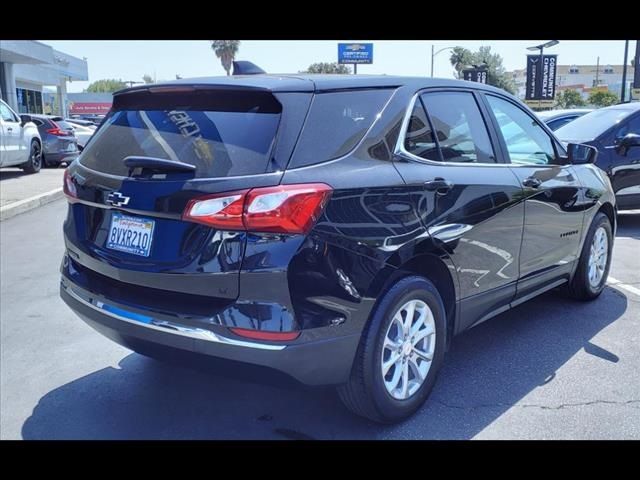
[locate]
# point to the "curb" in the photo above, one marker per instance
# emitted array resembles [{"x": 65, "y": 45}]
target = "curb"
[{"x": 22, "y": 206}]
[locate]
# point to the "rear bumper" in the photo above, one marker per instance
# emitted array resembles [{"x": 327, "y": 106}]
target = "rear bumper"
[
  {"x": 61, "y": 157},
  {"x": 311, "y": 360}
]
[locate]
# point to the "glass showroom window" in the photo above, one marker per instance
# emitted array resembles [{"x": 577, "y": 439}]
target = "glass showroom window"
[{"x": 29, "y": 101}]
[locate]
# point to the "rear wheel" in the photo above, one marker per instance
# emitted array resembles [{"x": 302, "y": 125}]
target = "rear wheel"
[
  {"x": 594, "y": 262},
  {"x": 34, "y": 163},
  {"x": 401, "y": 351}
]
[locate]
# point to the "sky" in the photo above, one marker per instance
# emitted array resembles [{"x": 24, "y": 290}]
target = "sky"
[{"x": 129, "y": 60}]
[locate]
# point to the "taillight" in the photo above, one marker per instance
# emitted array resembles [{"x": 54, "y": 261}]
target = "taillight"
[
  {"x": 221, "y": 211},
  {"x": 264, "y": 335},
  {"x": 57, "y": 131},
  {"x": 281, "y": 209},
  {"x": 69, "y": 187}
]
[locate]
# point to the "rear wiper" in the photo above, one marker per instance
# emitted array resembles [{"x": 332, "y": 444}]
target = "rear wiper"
[{"x": 157, "y": 164}]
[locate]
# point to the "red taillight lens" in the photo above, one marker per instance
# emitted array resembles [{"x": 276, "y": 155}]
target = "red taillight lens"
[
  {"x": 57, "y": 131},
  {"x": 281, "y": 209},
  {"x": 285, "y": 208},
  {"x": 220, "y": 211},
  {"x": 269, "y": 336},
  {"x": 69, "y": 187}
]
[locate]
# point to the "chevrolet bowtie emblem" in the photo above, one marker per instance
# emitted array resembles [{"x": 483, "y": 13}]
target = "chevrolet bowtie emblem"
[{"x": 117, "y": 199}]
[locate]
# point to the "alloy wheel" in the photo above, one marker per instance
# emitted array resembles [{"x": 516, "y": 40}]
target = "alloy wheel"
[
  {"x": 598, "y": 256},
  {"x": 408, "y": 349}
]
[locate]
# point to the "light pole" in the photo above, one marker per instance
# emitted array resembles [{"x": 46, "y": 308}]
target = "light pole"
[
  {"x": 541, "y": 47},
  {"x": 436, "y": 53},
  {"x": 624, "y": 72}
]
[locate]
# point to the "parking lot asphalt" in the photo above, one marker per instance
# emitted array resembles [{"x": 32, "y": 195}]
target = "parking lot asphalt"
[{"x": 552, "y": 368}]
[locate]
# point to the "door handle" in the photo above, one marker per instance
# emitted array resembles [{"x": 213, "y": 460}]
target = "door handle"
[
  {"x": 9, "y": 129},
  {"x": 531, "y": 182},
  {"x": 438, "y": 185}
]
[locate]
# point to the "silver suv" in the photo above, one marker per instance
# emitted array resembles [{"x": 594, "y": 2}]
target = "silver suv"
[{"x": 20, "y": 143}]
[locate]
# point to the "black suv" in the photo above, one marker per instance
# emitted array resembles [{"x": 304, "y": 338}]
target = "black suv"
[{"x": 340, "y": 229}]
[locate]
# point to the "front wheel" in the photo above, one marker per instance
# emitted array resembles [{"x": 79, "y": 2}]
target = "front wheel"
[
  {"x": 34, "y": 163},
  {"x": 400, "y": 353},
  {"x": 595, "y": 260}
]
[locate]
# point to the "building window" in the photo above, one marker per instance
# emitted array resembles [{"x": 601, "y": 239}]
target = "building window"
[
  {"x": 29, "y": 101},
  {"x": 573, "y": 69},
  {"x": 608, "y": 69}
]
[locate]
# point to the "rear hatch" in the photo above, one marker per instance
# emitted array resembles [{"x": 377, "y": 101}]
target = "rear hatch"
[{"x": 159, "y": 148}]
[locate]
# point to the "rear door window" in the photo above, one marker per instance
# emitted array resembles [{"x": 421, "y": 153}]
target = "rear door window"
[
  {"x": 419, "y": 139},
  {"x": 222, "y": 134},
  {"x": 336, "y": 123},
  {"x": 459, "y": 127}
]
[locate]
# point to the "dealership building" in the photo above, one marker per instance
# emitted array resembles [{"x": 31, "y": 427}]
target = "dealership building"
[{"x": 27, "y": 71}]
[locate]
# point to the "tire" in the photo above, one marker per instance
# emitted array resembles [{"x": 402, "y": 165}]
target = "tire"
[
  {"x": 34, "y": 164},
  {"x": 582, "y": 287},
  {"x": 366, "y": 393}
]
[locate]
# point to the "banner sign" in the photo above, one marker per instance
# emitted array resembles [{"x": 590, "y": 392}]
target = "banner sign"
[
  {"x": 541, "y": 77},
  {"x": 353, "y": 53},
  {"x": 478, "y": 75},
  {"x": 76, "y": 108}
]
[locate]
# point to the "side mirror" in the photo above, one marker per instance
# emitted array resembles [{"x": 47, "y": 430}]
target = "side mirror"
[
  {"x": 579, "y": 154},
  {"x": 25, "y": 119},
  {"x": 626, "y": 142}
]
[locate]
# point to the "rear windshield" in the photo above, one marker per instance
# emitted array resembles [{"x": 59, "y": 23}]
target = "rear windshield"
[
  {"x": 219, "y": 135},
  {"x": 64, "y": 125},
  {"x": 336, "y": 123},
  {"x": 592, "y": 125}
]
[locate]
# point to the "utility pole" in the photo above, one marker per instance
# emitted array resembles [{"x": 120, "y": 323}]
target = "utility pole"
[
  {"x": 355, "y": 68},
  {"x": 624, "y": 72},
  {"x": 597, "y": 72},
  {"x": 432, "y": 55}
]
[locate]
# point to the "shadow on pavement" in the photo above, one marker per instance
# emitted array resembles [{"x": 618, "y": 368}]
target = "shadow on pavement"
[
  {"x": 488, "y": 370},
  {"x": 628, "y": 225},
  {"x": 8, "y": 174}
]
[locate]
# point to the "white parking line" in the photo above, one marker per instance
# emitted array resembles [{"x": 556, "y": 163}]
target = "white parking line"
[{"x": 617, "y": 283}]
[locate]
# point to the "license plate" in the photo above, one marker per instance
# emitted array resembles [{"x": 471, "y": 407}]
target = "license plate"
[{"x": 130, "y": 234}]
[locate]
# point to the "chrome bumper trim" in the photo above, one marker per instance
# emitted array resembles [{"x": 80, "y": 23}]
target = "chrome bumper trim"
[{"x": 170, "y": 327}]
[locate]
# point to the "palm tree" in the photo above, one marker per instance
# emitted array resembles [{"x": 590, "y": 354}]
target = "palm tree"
[
  {"x": 226, "y": 51},
  {"x": 460, "y": 58}
]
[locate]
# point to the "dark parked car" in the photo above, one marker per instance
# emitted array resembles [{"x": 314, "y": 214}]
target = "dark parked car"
[
  {"x": 615, "y": 132},
  {"x": 341, "y": 229},
  {"x": 557, "y": 118},
  {"x": 60, "y": 145}
]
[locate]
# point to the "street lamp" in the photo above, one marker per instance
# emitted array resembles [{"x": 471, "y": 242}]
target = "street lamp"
[
  {"x": 436, "y": 53},
  {"x": 541, "y": 47}
]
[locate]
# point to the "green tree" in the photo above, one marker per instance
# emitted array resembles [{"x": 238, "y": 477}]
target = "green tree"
[
  {"x": 462, "y": 58},
  {"x": 327, "y": 67},
  {"x": 603, "y": 98},
  {"x": 108, "y": 85},
  {"x": 496, "y": 74},
  {"x": 146, "y": 78},
  {"x": 226, "y": 51},
  {"x": 569, "y": 99}
]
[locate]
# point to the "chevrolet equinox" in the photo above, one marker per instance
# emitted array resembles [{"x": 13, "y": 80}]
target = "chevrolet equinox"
[{"x": 339, "y": 229}]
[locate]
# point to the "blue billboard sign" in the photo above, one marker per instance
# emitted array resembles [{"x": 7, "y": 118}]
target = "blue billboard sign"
[{"x": 355, "y": 53}]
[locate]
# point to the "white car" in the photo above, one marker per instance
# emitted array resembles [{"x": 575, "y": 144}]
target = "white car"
[
  {"x": 20, "y": 143},
  {"x": 82, "y": 132}
]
